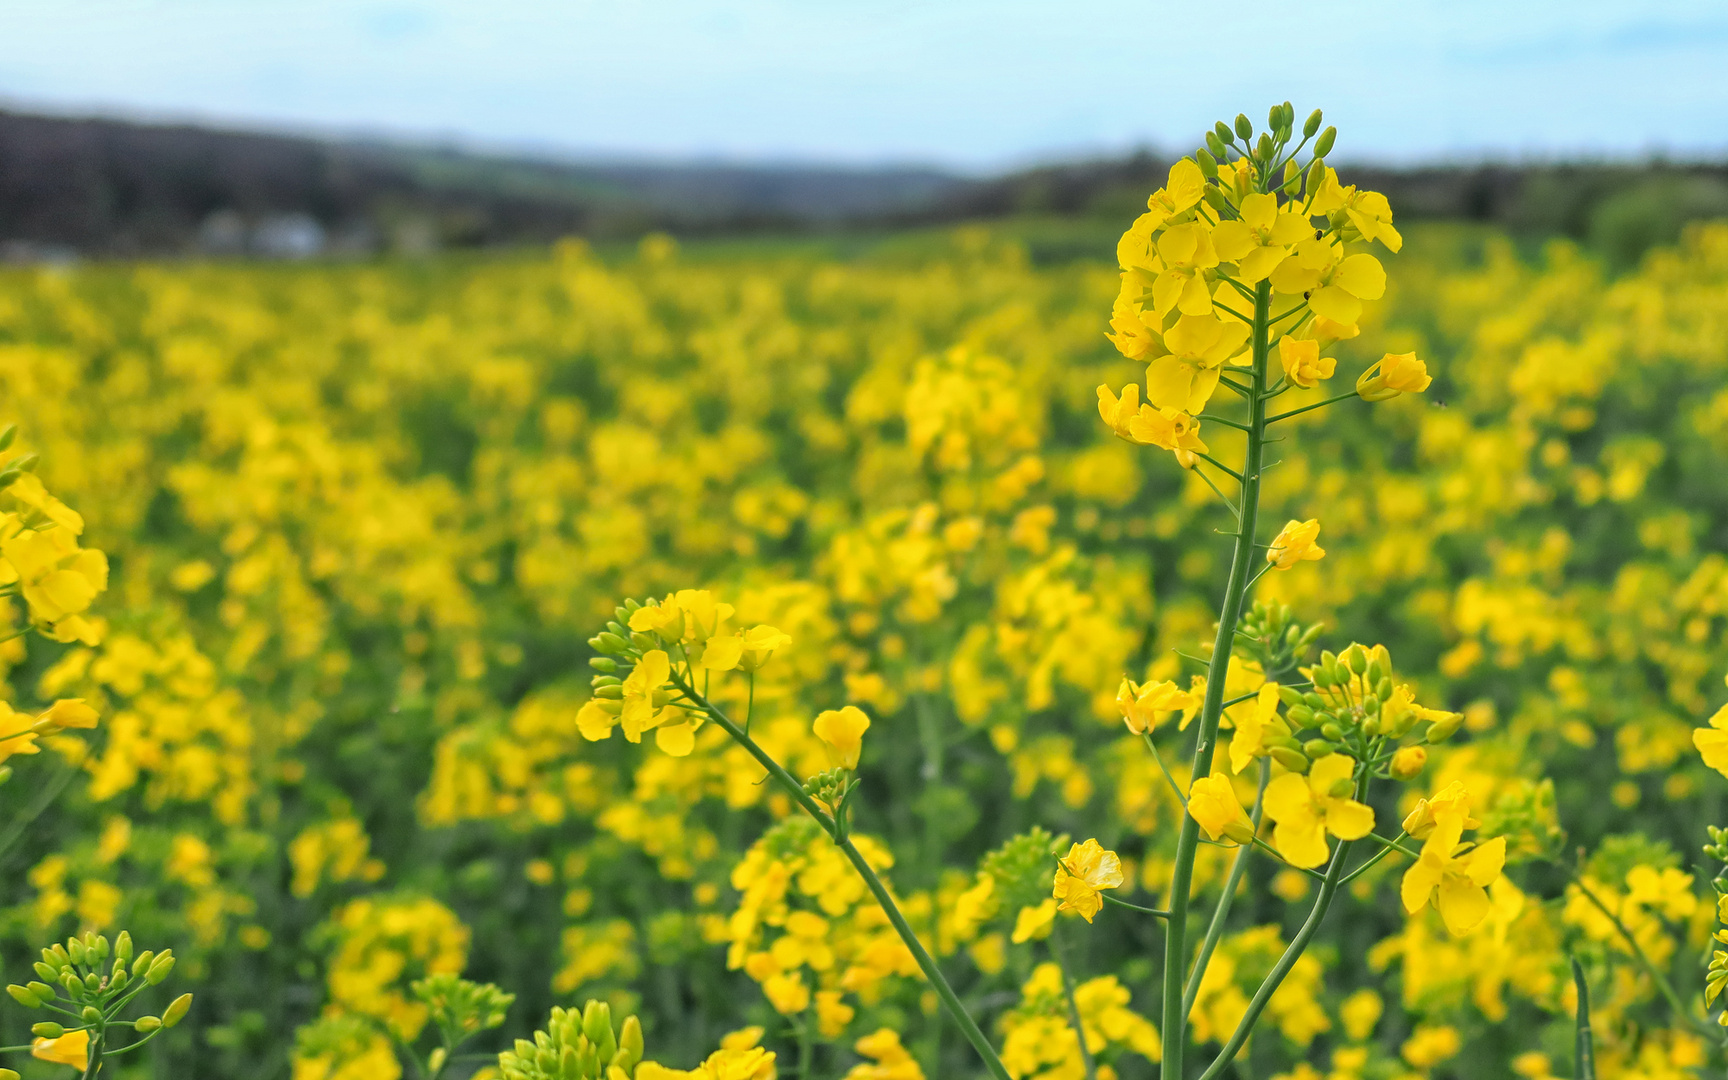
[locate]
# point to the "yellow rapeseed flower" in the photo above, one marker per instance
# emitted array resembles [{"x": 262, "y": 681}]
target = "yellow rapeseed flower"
[
  {"x": 1306, "y": 808},
  {"x": 1391, "y": 375},
  {"x": 1296, "y": 543},
  {"x": 1249, "y": 741},
  {"x": 1213, "y": 804},
  {"x": 1456, "y": 876},
  {"x": 72, "y": 1048},
  {"x": 15, "y": 734},
  {"x": 1259, "y": 239},
  {"x": 640, "y": 711},
  {"x": 1141, "y": 705},
  {"x": 842, "y": 734},
  {"x": 1712, "y": 742},
  {"x": 1303, "y": 364},
  {"x": 1199, "y": 346},
  {"x": 1088, "y": 869}
]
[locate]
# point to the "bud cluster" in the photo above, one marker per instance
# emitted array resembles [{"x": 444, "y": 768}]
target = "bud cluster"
[
  {"x": 88, "y": 978},
  {"x": 577, "y": 1046},
  {"x": 1352, "y": 706},
  {"x": 1221, "y": 141},
  {"x": 1274, "y": 637}
]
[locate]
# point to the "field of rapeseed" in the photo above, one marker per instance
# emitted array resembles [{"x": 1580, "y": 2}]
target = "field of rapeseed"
[{"x": 362, "y": 524}]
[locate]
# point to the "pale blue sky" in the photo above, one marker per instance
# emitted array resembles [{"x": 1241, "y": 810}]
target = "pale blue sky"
[{"x": 972, "y": 84}]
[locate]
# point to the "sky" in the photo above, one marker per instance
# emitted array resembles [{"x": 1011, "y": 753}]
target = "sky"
[{"x": 968, "y": 85}]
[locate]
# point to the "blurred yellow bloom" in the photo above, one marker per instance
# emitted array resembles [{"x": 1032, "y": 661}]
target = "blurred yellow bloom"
[
  {"x": 1391, "y": 375},
  {"x": 1451, "y": 800},
  {"x": 1088, "y": 869},
  {"x": 69, "y": 713},
  {"x": 1303, "y": 364},
  {"x": 1455, "y": 875},
  {"x": 72, "y": 1048},
  {"x": 842, "y": 734},
  {"x": 1296, "y": 543},
  {"x": 15, "y": 734},
  {"x": 1306, "y": 808},
  {"x": 1712, "y": 742},
  {"x": 1033, "y": 922},
  {"x": 1212, "y": 802},
  {"x": 28, "y": 490}
]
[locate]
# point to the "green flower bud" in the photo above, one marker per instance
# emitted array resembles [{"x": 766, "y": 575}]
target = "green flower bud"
[
  {"x": 1289, "y": 695},
  {"x": 629, "y": 1045},
  {"x": 1318, "y": 748},
  {"x": 1327, "y": 138},
  {"x": 102, "y": 946},
  {"x": 44, "y": 993},
  {"x": 1355, "y": 658},
  {"x": 75, "y": 949},
  {"x": 608, "y": 643},
  {"x": 619, "y": 628},
  {"x": 1312, "y": 125},
  {"x": 1215, "y": 144},
  {"x": 1244, "y": 129},
  {"x": 1208, "y": 164},
  {"x": 144, "y": 1025},
  {"x": 90, "y": 1013},
  {"x": 47, "y": 1029},
  {"x": 159, "y": 968},
  {"x": 1332, "y": 732},
  {"x": 177, "y": 1010},
  {"x": 5, "y": 773},
  {"x": 123, "y": 947},
  {"x": 1263, "y": 148},
  {"x": 1290, "y": 759},
  {"x": 142, "y": 964},
  {"x": 1314, "y": 701},
  {"x": 47, "y": 971},
  {"x": 644, "y": 642},
  {"x": 435, "y": 1060},
  {"x": 1441, "y": 730},
  {"x": 1371, "y": 705},
  {"x": 1383, "y": 689},
  {"x": 1301, "y": 714},
  {"x": 614, "y": 692},
  {"x": 603, "y": 663},
  {"x": 1225, "y": 135},
  {"x": 8, "y": 1074},
  {"x": 24, "y": 996},
  {"x": 1376, "y": 671}
]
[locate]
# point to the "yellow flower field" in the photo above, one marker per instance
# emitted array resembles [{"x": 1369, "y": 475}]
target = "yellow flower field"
[{"x": 361, "y": 521}]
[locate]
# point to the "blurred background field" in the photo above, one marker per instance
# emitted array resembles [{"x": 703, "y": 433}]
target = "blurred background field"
[{"x": 377, "y": 430}]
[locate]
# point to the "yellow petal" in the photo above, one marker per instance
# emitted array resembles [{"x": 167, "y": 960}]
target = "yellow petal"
[
  {"x": 1288, "y": 797},
  {"x": 676, "y": 739},
  {"x": 1302, "y": 845},
  {"x": 1462, "y": 904},
  {"x": 1348, "y": 819},
  {"x": 1483, "y": 865},
  {"x": 1418, "y": 884},
  {"x": 1335, "y": 303},
  {"x": 1361, "y": 276}
]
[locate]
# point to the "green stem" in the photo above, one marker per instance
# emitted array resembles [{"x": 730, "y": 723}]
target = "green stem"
[
  {"x": 807, "y": 1043},
  {"x": 1221, "y": 914},
  {"x": 1662, "y": 984},
  {"x": 1310, "y": 408},
  {"x": 1060, "y": 953},
  {"x": 1298, "y": 946},
  {"x": 1174, "y": 1026},
  {"x": 1108, "y": 899},
  {"x": 926, "y": 964},
  {"x": 1378, "y": 855},
  {"x": 93, "y": 1065},
  {"x": 1585, "y": 1053}
]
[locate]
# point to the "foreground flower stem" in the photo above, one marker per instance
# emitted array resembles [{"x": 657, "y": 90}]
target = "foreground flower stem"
[
  {"x": 1221, "y": 914},
  {"x": 1298, "y": 946},
  {"x": 1584, "y": 1051},
  {"x": 926, "y": 963},
  {"x": 1175, "y": 1016},
  {"x": 1058, "y": 947},
  {"x": 1666, "y": 988}
]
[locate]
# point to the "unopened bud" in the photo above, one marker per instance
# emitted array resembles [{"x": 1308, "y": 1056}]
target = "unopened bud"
[
  {"x": 1301, "y": 715},
  {"x": 1208, "y": 164},
  {"x": 1441, "y": 730},
  {"x": 144, "y": 1025},
  {"x": 159, "y": 969},
  {"x": 1290, "y": 759},
  {"x": 123, "y": 947},
  {"x": 603, "y": 664},
  {"x": 1289, "y": 695},
  {"x": 1332, "y": 732},
  {"x": 47, "y": 1029},
  {"x": 1312, "y": 125},
  {"x": 1225, "y": 135},
  {"x": 1215, "y": 144},
  {"x": 1341, "y": 788},
  {"x": 90, "y": 1013},
  {"x": 1324, "y": 145},
  {"x": 614, "y": 692},
  {"x": 177, "y": 1010},
  {"x": 1244, "y": 129},
  {"x": 1318, "y": 748},
  {"x": 24, "y": 996},
  {"x": 629, "y": 1045},
  {"x": 1263, "y": 148},
  {"x": 1214, "y": 198},
  {"x": 1408, "y": 761}
]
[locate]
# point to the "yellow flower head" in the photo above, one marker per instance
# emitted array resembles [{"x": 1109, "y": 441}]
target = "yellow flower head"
[
  {"x": 69, "y": 713},
  {"x": 1391, "y": 375},
  {"x": 1187, "y": 254},
  {"x": 15, "y": 734},
  {"x": 1213, "y": 804},
  {"x": 644, "y": 698},
  {"x": 1258, "y": 240},
  {"x": 28, "y": 490},
  {"x": 1141, "y": 705},
  {"x": 1303, "y": 364},
  {"x": 1455, "y": 876},
  {"x": 1306, "y": 808},
  {"x": 1296, "y": 543},
  {"x": 842, "y": 734},
  {"x": 1033, "y": 923},
  {"x": 1408, "y": 761},
  {"x": 1453, "y": 800},
  {"x": 1088, "y": 869},
  {"x": 1199, "y": 346},
  {"x": 1249, "y": 741},
  {"x": 1712, "y": 742},
  {"x": 1335, "y": 286},
  {"x": 703, "y": 615},
  {"x": 745, "y": 651},
  {"x": 72, "y": 1048}
]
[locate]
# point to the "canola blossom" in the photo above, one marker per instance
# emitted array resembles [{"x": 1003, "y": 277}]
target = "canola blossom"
[{"x": 964, "y": 732}]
